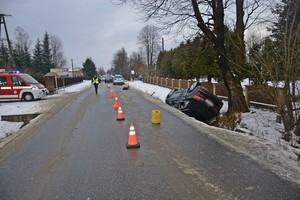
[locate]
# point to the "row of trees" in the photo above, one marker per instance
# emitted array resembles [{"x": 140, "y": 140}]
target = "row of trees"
[
  {"x": 193, "y": 59},
  {"x": 142, "y": 61},
  {"x": 277, "y": 59},
  {"x": 219, "y": 48},
  {"x": 46, "y": 54}
]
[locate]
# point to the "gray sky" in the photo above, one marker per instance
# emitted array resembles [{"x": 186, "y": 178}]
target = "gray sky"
[
  {"x": 90, "y": 28},
  {"x": 87, "y": 28}
]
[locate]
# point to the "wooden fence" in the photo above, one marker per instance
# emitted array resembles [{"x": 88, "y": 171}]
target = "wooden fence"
[
  {"x": 53, "y": 83},
  {"x": 260, "y": 95}
]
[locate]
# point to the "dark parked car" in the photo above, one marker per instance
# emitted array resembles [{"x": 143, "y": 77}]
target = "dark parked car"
[
  {"x": 195, "y": 101},
  {"x": 107, "y": 78}
]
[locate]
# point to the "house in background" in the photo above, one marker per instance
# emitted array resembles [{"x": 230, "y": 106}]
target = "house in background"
[{"x": 65, "y": 72}]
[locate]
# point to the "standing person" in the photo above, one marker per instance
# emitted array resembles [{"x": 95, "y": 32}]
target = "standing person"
[{"x": 96, "y": 81}]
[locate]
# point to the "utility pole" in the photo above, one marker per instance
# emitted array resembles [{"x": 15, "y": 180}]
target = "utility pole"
[
  {"x": 2, "y": 21},
  {"x": 72, "y": 67}
]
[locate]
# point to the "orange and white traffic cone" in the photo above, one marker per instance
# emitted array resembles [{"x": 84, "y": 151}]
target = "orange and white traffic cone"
[
  {"x": 132, "y": 140},
  {"x": 120, "y": 115},
  {"x": 116, "y": 105},
  {"x": 112, "y": 94}
]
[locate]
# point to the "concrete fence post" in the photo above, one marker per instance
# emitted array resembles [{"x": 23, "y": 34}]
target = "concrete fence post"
[
  {"x": 247, "y": 96},
  {"x": 214, "y": 88},
  {"x": 179, "y": 83},
  {"x": 281, "y": 97}
]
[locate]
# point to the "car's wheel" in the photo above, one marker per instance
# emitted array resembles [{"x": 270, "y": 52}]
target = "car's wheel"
[{"x": 27, "y": 97}]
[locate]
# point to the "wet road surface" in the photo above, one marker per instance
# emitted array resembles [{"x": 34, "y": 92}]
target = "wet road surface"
[{"x": 81, "y": 154}]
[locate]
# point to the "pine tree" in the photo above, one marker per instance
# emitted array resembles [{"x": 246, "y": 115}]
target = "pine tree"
[
  {"x": 89, "y": 68},
  {"x": 164, "y": 63},
  {"x": 193, "y": 59},
  {"x": 4, "y": 57},
  {"x": 46, "y": 55},
  {"x": 22, "y": 57},
  {"x": 288, "y": 13},
  {"x": 17, "y": 54},
  {"x": 27, "y": 62},
  {"x": 37, "y": 60}
]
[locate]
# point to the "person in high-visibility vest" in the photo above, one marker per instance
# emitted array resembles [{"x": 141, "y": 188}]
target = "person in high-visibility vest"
[{"x": 95, "y": 82}]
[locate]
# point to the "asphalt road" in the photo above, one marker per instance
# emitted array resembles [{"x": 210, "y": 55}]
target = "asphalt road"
[{"x": 80, "y": 153}]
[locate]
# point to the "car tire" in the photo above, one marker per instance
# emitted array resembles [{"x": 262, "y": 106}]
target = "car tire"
[{"x": 27, "y": 97}]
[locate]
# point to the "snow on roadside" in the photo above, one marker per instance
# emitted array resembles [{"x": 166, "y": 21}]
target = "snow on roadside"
[
  {"x": 262, "y": 141},
  {"x": 8, "y": 128},
  {"x": 259, "y": 122},
  {"x": 154, "y": 90}
]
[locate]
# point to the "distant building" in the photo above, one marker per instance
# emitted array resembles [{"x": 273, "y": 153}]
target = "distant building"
[
  {"x": 77, "y": 72},
  {"x": 64, "y": 72}
]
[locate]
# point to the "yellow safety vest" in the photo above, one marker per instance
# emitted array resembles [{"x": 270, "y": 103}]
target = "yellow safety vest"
[{"x": 95, "y": 80}]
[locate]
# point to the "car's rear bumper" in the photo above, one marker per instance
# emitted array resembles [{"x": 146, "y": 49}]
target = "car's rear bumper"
[{"x": 118, "y": 83}]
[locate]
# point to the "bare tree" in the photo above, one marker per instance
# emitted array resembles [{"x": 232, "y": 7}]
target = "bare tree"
[
  {"x": 21, "y": 52},
  {"x": 287, "y": 64},
  {"x": 56, "y": 46},
  {"x": 101, "y": 71},
  {"x": 120, "y": 62},
  {"x": 149, "y": 39},
  {"x": 209, "y": 17},
  {"x": 22, "y": 38},
  {"x": 136, "y": 63}
]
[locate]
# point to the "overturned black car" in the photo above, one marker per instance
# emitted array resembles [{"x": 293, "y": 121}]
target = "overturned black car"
[{"x": 195, "y": 101}]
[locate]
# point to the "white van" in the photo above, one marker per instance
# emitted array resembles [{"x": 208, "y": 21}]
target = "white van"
[{"x": 20, "y": 86}]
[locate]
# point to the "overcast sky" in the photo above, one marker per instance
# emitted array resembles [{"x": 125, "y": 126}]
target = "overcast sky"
[
  {"x": 91, "y": 28},
  {"x": 87, "y": 28}
]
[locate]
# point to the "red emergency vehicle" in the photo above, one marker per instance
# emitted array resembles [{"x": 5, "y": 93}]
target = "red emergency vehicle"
[{"x": 20, "y": 86}]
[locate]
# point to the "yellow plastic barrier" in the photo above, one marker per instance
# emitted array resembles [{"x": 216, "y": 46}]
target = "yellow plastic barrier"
[{"x": 155, "y": 117}]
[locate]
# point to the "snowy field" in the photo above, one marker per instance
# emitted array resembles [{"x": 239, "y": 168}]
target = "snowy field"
[{"x": 262, "y": 140}]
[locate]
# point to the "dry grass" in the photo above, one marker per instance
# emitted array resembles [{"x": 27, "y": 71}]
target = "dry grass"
[{"x": 227, "y": 121}]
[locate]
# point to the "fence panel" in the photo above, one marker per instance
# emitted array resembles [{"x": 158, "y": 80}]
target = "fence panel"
[
  {"x": 261, "y": 93},
  {"x": 53, "y": 83},
  {"x": 209, "y": 86},
  {"x": 254, "y": 93},
  {"x": 221, "y": 90}
]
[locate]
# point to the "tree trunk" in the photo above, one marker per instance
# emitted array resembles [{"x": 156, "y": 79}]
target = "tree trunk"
[
  {"x": 297, "y": 129},
  {"x": 236, "y": 98},
  {"x": 240, "y": 52},
  {"x": 283, "y": 101}
]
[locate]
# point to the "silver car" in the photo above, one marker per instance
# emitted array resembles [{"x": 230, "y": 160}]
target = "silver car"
[{"x": 118, "y": 80}]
